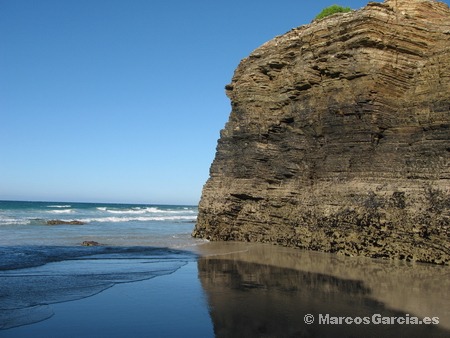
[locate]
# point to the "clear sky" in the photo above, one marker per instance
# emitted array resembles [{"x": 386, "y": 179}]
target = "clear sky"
[{"x": 123, "y": 100}]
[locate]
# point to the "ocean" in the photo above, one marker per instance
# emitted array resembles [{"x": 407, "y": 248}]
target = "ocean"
[
  {"x": 149, "y": 278},
  {"x": 43, "y": 263},
  {"x": 25, "y": 223}
]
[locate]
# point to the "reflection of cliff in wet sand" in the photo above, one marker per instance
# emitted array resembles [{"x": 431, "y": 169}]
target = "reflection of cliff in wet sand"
[{"x": 265, "y": 291}]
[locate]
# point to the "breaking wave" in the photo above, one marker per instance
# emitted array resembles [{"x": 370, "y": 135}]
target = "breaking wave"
[
  {"x": 38, "y": 214},
  {"x": 62, "y": 211},
  {"x": 114, "y": 219}
]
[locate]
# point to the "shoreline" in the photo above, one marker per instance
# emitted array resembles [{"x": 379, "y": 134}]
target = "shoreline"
[
  {"x": 135, "y": 309},
  {"x": 271, "y": 287}
]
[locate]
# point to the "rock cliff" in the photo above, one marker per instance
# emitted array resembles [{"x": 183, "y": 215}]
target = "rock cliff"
[{"x": 339, "y": 138}]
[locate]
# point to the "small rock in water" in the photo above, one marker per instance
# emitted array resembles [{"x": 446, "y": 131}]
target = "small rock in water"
[
  {"x": 58, "y": 222},
  {"x": 90, "y": 243}
]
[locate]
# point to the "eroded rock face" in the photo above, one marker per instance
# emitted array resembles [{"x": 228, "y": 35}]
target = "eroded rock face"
[{"x": 339, "y": 138}]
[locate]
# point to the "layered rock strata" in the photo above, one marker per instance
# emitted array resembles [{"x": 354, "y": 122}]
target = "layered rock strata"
[{"x": 339, "y": 138}]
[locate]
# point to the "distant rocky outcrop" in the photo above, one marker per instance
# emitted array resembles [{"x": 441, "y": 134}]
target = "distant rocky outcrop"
[
  {"x": 60, "y": 222},
  {"x": 339, "y": 138},
  {"x": 90, "y": 243}
]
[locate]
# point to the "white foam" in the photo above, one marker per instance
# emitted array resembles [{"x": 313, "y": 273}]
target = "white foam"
[
  {"x": 152, "y": 209},
  {"x": 59, "y": 206},
  {"x": 64, "y": 211},
  {"x": 115, "y": 219},
  {"x": 135, "y": 211},
  {"x": 145, "y": 210},
  {"x": 15, "y": 221},
  {"x": 127, "y": 211},
  {"x": 179, "y": 211}
]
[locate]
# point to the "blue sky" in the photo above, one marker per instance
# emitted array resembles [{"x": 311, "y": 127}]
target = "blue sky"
[{"x": 123, "y": 100}]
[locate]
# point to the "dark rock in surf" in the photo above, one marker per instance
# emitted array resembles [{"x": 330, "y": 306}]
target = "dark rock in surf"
[
  {"x": 90, "y": 243},
  {"x": 60, "y": 222}
]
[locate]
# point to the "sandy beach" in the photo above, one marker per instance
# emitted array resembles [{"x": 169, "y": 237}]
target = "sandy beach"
[{"x": 257, "y": 290}]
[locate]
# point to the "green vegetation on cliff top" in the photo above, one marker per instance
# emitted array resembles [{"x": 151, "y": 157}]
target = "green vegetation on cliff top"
[{"x": 332, "y": 10}]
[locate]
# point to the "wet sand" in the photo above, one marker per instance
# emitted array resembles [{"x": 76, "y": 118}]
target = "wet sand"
[
  {"x": 257, "y": 290},
  {"x": 166, "y": 306}
]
